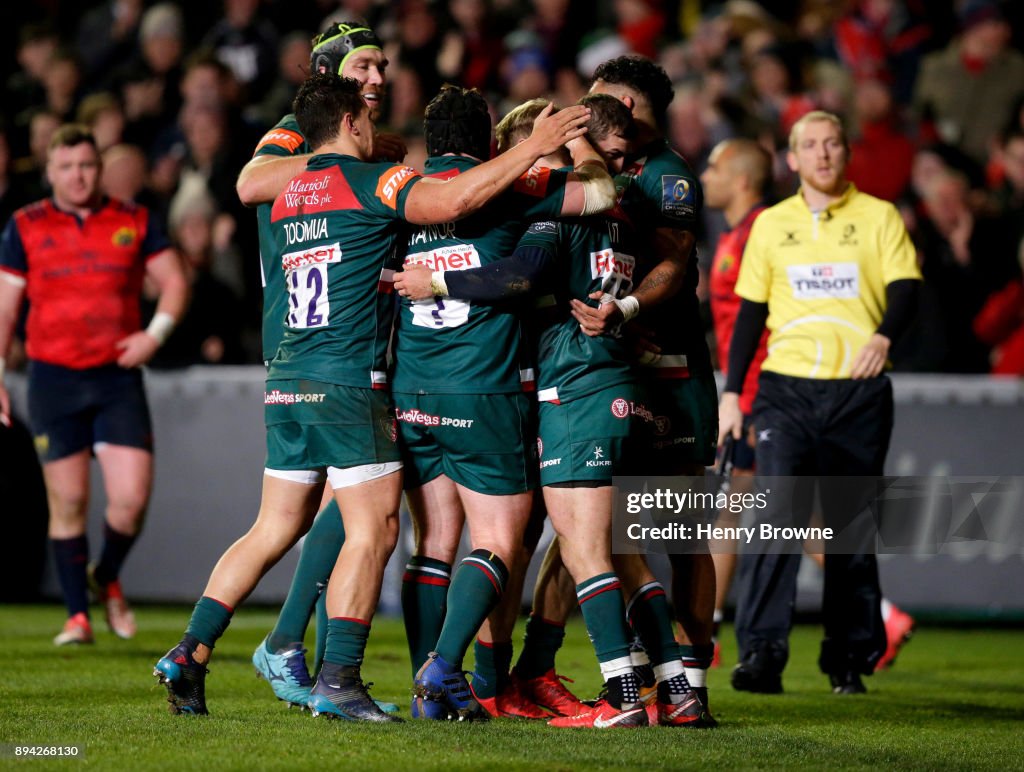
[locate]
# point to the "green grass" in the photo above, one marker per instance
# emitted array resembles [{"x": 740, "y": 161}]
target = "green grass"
[{"x": 955, "y": 700}]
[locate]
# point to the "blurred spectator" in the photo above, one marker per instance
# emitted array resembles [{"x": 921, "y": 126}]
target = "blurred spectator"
[
  {"x": 210, "y": 331},
  {"x": 1000, "y": 324},
  {"x": 30, "y": 170},
  {"x": 884, "y": 38},
  {"x": 107, "y": 35},
  {"x": 969, "y": 89},
  {"x": 640, "y": 23},
  {"x": 37, "y": 44},
  {"x": 778, "y": 97},
  {"x": 292, "y": 69},
  {"x": 11, "y": 194},
  {"x": 414, "y": 73},
  {"x": 61, "y": 80},
  {"x": 247, "y": 44},
  {"x": 124, "y": 174},
  {"x": 149, "y": 83},
  {"x": 1008, "y": 195},
  {"x": 524, "y": 71},
  {"x": 472, "y": 52},
  {"x": 881, "y": 156},
  {"x": 964, "y": 258},
  {"x": 102, "y": 113}
]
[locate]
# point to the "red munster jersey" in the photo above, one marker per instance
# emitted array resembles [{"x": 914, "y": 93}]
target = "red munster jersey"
[
  {"x": 83, "y": 277},
  {"x": 725, "y": 303}
]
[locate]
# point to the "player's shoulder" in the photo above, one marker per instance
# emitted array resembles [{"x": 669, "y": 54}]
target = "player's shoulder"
[
  {"x": 661, "y": 158},
  {"x": 34, "y": 212},
  {"x": 862, "y": 203},
  {"x": 285, "y": 138}
]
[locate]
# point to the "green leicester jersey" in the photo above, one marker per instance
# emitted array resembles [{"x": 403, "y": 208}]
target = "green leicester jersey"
[
  {"x": 661, "y": 191},
  {"x": 583, "y": 260},
  {"x": 284, "y": 139},
  {"x": 339, "y": 231},
  {"x": 454, "y": 346}
]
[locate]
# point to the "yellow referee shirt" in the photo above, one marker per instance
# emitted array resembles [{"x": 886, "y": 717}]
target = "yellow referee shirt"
[{"x": 823, "y": 276}]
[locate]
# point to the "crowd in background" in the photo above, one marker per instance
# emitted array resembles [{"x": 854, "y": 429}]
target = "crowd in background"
[{"x": 179, "y": 93}]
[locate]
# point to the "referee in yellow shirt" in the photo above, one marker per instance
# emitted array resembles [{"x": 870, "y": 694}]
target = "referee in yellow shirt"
[{"x": 834, "y": 275}]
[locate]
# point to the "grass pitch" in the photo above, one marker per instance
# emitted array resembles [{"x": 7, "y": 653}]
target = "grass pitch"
[{"x": 955, "y": 700}]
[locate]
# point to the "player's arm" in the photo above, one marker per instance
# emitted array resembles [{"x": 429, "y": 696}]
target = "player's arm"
[
  {"x": 664, "y": 281},
  {"x": 165, "y": 271},
  {"x": 12, "y": 288},
  {"x": 901, "y": 305},
  {"x": 589, "y": 189},
  {"x": 746, "y": 336},
  {"x": 436, "y": 201},
  {"x": 265, "y": 176},
  {"x": 507, "y": 278}
]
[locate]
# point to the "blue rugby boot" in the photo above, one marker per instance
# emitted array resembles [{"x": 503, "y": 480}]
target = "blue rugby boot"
[
  {"x": 438, "y": 681},
  {"x": 285, "y": 671},
  {"x": 184, "y": 678},
  {"x": 340, "y": 693}
]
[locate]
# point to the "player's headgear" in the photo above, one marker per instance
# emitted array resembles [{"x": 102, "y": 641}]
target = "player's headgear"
[
  {"x": 458, "y": 120},
  {"x": 333, "y": 46}
]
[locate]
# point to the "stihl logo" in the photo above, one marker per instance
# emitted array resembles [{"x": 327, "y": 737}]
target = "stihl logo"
[
  {"x": 392, "y": 182},
  {"x": 328, "y": 253}
]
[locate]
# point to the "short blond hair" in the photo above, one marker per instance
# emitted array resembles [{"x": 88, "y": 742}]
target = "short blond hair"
[
  {"x": 813, "y": 117},
  {"x": 518, "y": 124}
]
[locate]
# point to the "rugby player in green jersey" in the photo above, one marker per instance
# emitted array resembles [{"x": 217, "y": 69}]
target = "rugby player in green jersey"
[
  {"x": 353, "y": 51},
  {"x": 338, "y": 228},
  {"x": 592, "y": 414},
  {"x": 661, "y": 197},
  {"x": 463, "y": 414}
]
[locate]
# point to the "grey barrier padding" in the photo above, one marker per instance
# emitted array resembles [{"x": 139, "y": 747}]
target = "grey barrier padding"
[{"x": 208, "y": 423}]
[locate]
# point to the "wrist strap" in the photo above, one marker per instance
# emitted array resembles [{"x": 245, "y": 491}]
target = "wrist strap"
[
  {"x": 437, "y": 285},
  {"x": 161, "y": 326}
]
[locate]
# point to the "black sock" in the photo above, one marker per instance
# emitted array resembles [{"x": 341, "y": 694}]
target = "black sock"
[
  {"x": 70, "y": 557},
  {"x": 115, "y": 549}
]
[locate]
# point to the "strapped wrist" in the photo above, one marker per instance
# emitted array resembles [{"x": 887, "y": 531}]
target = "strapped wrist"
[{"x": 160, "y": 327}]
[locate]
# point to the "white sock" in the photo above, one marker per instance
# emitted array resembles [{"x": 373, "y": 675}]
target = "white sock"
[
  {"x": 887, "y": 608},
  {"x": 614, "y": 668},
  {"x": 667, "y": 670},
  {"x": 697, "y": 676}
]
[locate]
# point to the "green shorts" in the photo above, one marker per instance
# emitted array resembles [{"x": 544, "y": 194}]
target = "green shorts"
[
  {"x": 594, "y": 437},
  {"x": 485, "y": 442},
  {"x": 685, "y": 429},
  {"x": 312, "y": 425}
]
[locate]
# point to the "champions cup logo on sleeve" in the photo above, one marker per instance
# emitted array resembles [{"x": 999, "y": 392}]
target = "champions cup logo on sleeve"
[
  {"x": 391, "y": 183},
  {"x": 824, "y": 281},
  {"x": 534, "y": 182},
  {"x": 676, "y": 195}
]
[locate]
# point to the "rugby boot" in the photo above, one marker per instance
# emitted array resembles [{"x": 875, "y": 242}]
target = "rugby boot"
[
  {"x": 285, "y": 671},
  {"x": 77, "y": 630},
  {"x": 441, "y": 681},
  {"x": 184, "y": 678},
  {"x": 340, "y": 693},
  {"x": 511, "y": 703},
  {"x": 549, "y": 692},
  {"x": 899, "y": 627},
  {"x": 117, "y": 612}
]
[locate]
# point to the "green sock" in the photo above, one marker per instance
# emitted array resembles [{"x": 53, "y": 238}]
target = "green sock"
[
  {"x": 210, "y": 619},
  {"x": 319, "y": 553},
  {"x": 346, "y": 641},
  {"x": 476, "y": 589},
  {"x": 492, "y": 663},
  {"x": 424, "y": 602},
  {"x": 600, "y": 599},
  {"x": 649, "y": 615},
  {"x": 322, "y": 623},
  {"x": 541, "y": 643}
]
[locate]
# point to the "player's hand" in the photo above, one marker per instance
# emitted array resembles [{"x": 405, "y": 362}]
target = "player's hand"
[
  {"x": 552, "y": 130},
  {"x": 870, "y": 360},
  {"x": 413, "y": 282},
  {"x": 389, "y": 147},
  {"x": 730, "y": 417},
  {"x": 5, "y": 406},
  {"x": 596, "y": 321},
  {"x": 641, "y": 341},
  {"x": 137, "y": 349}
]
